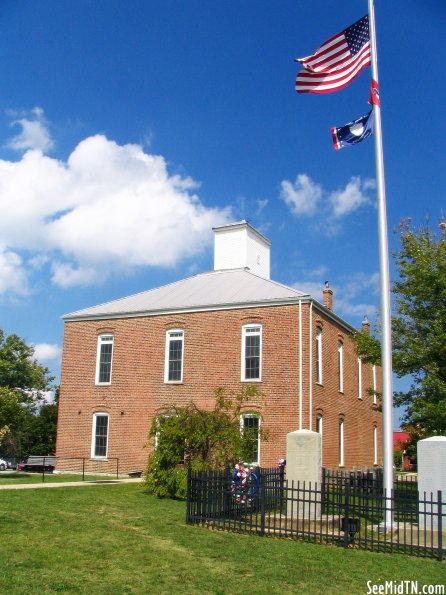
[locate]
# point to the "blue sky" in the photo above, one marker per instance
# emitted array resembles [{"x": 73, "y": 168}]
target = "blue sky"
[{"x": 129, "y": 129}]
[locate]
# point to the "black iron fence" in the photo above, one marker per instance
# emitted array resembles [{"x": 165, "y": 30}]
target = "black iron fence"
[
  {"x": 344, "y": 509},
  {"x": 82, "y": 467},
  {"x": 86, "y": 466}
]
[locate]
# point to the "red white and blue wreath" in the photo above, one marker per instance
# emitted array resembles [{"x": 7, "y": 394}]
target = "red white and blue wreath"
[{"x": 244, "y": 483}]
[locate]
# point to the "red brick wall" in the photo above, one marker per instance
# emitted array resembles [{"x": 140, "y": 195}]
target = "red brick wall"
[
  {"x": 359, "y": 415},
  {"x": 212, "y": 356}
]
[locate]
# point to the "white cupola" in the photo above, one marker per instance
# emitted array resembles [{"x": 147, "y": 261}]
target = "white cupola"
[{"x": 239, "y": 245}]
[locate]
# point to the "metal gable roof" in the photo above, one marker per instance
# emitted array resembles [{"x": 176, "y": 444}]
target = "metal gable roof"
[{"x": 214, "y": 290}]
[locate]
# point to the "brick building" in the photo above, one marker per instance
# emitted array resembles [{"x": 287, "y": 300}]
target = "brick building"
[{"x": 125, "y": 360}]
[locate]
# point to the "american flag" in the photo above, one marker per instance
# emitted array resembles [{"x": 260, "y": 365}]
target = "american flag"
[{"x": 337, "y": 62}]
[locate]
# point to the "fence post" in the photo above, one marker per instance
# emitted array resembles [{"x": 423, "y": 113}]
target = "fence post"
[
  {"x": 323, "y": 480},
  {"x": 83, "y": 468},
  {"x": 117, "y": 468},
  {"x": 440, "y": 526},
  {"x": 281, "y": 487},
  {"x": 262, "y": 507},
  {"x": 346, "y": 511},
  {"x": 188, "y": 490}
]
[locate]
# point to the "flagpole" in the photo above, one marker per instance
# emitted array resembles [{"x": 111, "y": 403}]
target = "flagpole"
[{"x": 386, "y": 336}]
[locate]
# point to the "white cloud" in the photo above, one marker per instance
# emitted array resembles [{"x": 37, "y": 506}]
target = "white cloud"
[
  {"x": 261, "y": 204},
  {"x": 13, "y": 277},
  {"x": 46, "y": 352},
  {"x": 34, "y": 133},
  {"x": 306, "y": 197},
  {"x": 350, "y": 198},
  {"x": 303, "y": 196},
  {"x": 312, "y": 288},
  {"x": 106, "y": 210}
]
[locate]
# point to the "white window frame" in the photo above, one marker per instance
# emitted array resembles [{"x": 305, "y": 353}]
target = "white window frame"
[
  {"x": 158, "y": 419},
  {"x": 359, "y": 378},
  {"x": 173, "y": 334},
  {"x": 251, "y": 330},
  {"x": 375, "y": 445},
  {"x": 341, "y": 443},
  {"x": 244, "y": 416},
  {"x": 93, "y": 435},
  {"x": 374, "y": 384},
  {"x": 320, "y": 430},
  {"x": 104, "y": 339},
  {"x": 318, "y": 355},
  {"x": 319, "y": 424},
  {"x": 340, "y": 366}
]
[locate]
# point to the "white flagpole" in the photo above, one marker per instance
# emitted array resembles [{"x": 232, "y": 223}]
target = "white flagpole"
[{"x": 386, "y": 333}]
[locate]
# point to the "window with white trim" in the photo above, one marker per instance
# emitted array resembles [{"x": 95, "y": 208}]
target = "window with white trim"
[
  {"x": 340, "y": 367},
  {"x": 375, "y": 445},
  {"x": 252, "y": 352},
  {"x": 341, "y": 443},
  {"x": 162, "y": 422},
  {"x": 173, "y": 371},
  {"x": 104, "y": 359},
  {"x": 359, "y": 378},
  {"x": 250, "y": 422},
  {"x": 319, "y": 429},
  {"x": 319, "y": 424},
  {"x": 319, "y": 355},
  {"x": 99, "y": 442},
  {"x": 374, "y": 384}
]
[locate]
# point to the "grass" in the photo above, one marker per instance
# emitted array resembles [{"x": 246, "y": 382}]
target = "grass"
[
  {"x": 19, "y": 477},
  {"x": 116, "y": 540}
]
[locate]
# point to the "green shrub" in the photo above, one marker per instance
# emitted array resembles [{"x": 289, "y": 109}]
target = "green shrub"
[{"x": 201, "y": 438}]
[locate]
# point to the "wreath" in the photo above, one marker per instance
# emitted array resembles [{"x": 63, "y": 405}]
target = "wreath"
[{"x": 244, "y": 483}]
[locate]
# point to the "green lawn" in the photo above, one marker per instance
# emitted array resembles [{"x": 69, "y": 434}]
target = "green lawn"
[{"x": 115, "y": 539}]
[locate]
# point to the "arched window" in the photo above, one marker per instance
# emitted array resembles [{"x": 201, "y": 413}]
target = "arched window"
[
  {"x": 319, "y": 424},
  {"x": 173, "y": 369},
  {"x": 340, "y": 366},
  {"x": 319, "y": 355},
  {"x": 341, "y": 443},
  {"x": 375, "y": 445},
  {"x": 359, "y": 378},
  {"x": 104, "y": 359},
  {"x": 99, "y": 442},
  {"x": 319, "y": 430},
  {"x": 250, "y": 422},
  {"x": 252, "y": 352},
  {"x": 374, "y": 384}
]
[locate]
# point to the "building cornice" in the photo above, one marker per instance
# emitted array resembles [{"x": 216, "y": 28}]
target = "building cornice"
[{"x": 215, "y": 308}]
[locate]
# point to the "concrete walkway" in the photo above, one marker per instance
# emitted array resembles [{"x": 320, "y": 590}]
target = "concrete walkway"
[{"x": 68, "y": 484}]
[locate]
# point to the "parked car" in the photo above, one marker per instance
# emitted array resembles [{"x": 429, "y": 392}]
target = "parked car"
[
  {"x": 3, "y": 465},
  {"x": 38, "y": 464}
]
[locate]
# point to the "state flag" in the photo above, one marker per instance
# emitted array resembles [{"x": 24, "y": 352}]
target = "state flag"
[{"x": 353, "y": 132}]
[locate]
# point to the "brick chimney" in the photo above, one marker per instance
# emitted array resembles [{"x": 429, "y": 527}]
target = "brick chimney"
[
  {"x": 328, "y": 296},
  {"x": 366, "y": 325}
]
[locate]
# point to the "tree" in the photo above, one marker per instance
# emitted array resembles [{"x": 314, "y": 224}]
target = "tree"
[
  {"x": 418, "y": 329},
  {"x": 27, "y": 422},
  {"x": 201, "y": 438},
  {"x": 368, "y": 348},
  {"x": 13, "y": 416},
  {"x": 19, "y": 370}
]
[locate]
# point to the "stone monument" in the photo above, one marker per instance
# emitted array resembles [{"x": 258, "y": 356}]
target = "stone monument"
[
  {"x": 303, "y": 469},
  {"x": 431, "y": 464}
]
